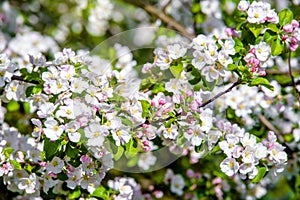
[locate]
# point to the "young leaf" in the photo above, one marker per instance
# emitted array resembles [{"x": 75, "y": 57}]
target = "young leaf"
[
  {"x": 51, "y": 148},
  {"x": 261, "y": 81},
  {"x": 13, "y": 106},
  {"x": 232, "y": 67},
  {"x": 285, "y": 17},
  {"x": 71, "y": 152},
  {"x": 75, "y": 194},
  {"x": 176, "y": 70},
  {"x": 119, "y": 153},
  {"x": 16, "y": 164},
  {"x": 100, "y": 192},
  {"x": 256, "y": 29},
  {"x": 261, "y": 173},
  {"x": 277, "y": 47}
]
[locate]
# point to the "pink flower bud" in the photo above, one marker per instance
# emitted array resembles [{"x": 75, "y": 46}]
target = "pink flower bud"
[
  {"x": 145, "y": 125},
  {"x": 85, "y": 159},
  {"x": 230, "y": 32},
  {"x": 43, "y": 164},
  {"x": 189, "y": 131},
  {"x": 189, "y": 93},
  {"x": 295, "y": 23},
  {"x": 217, "y": 180},
  {"x": 194, "y": 106},
  {"x": 288, "y": 28},
  {"x": 294, "y": 47},
  {"x": 243, "y": 5},
  {"x": 158, "y": 194},
  {"x": 190, "y": 173},
  {"x": 285, "y": 37},
  {"x": 153, "y": 103},
  {"x": 294, "y": 40},
  {"x": 262, "y": 73},
  {"x": 252, "y": 50}
]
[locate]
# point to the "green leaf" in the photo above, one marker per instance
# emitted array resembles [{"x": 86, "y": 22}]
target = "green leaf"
[
  {"x": 131, "y": 149},
  {"x": 269, "y": 36},
  {"x": 200, "y": 18},
  {"x": 100, "y": 192},
  {"x": 51, "y": 148},
  {"x": 71, "y": 151},
  {"x": 62, "y": 176},
  {"x": 196, "y": 7},
  {"x": 277, "y": 47},
  {"x": 176, "y": 70},
  {"x": 232, "y": 67},
  {"x": 119, "y": 153},
  {"x": 261, "y": 81},
  {"x": 145, "y": 106},
  {"x": 273, "y": 27},
  {"x": 195, "y": 80},
  {"x": 133, "y": 161},
  {"x": 216, "y": 149},
  {"x": 33, "y": 90},
  {"x": 16, "y": 164},
  {"x": 29, "y": 168},
  {"x": 256, "y": 29},
  {"x": 261, "y": 173},
  {"x": 285, "y": 17},
  {"x": 26, "y": 107},
  {"x": 74, "y": 194},
  {"x": 158, "y": 88},
  {"x": 13, "y": 106},
  {"x": 7, "y": 151}
]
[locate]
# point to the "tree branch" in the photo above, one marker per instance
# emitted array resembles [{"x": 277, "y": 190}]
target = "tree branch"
[
  {"x": 221, "y": 93},
  {"x": 270, "y": 126},
  {"x": 20, "y": 78},
  {"x": 292, "y": 77},
  {"x": 162, "y": 16}
]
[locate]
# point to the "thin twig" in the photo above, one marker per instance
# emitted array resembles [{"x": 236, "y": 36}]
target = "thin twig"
[
  {"x": 278, "y": 72},
  {"x": 20, "y": 78},
  {"x": 292, "y": 77},
  {"x": 270, "y": 126},
  {"x": 162, "y": 16},
  {"x": 166, "y": 5},
  {"x": 221, "y": 93}
]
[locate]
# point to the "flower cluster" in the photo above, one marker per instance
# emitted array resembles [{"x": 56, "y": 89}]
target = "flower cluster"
[
  {"x": 258, "y": 12},
  {"x": 292, "y": 34},
  {"x": 89, "y": 113},
  {"x": 211, "y": 60},
  {"x": 244, "y": 152}
]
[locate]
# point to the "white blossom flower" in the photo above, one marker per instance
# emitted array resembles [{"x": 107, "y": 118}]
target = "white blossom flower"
[
  {"x": 95, "y": 134},
  {"x": 196, "y": 136},
  {"x": 206, "y": 119},
  {"x": 121, "y": 136},
  {"x": 229, "y": 166},
  {"x": 171, "y": 132},
  {"x": 177, "y": 184},
  {"x": 71, "y": 128},
  {"x": 30, "y": 184},
  {"x": 243, "y": 5},
  {"x": 256, "y": 13},
  {"x": 262, "y": 51},
  {"x": 14, "y": 90},
  {"x": 277, "y": 154},
  {"x": 176, "y": 51},
  {"x": 55, "y": 165},
  {"x": 53, "y": 130},
  {"x": 46, "y": 110},
  {"x": 146, "y": 160},
  {"x": 200, "y": 59},
  {"x": 229, "y": 145}
]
